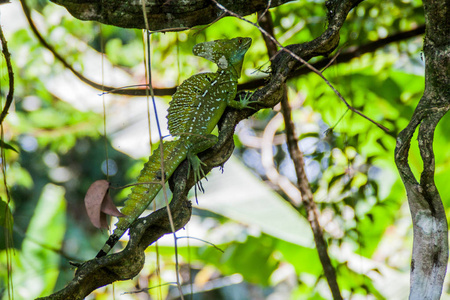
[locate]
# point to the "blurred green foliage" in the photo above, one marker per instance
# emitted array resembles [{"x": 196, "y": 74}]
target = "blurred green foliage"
[{"x": 62, "y": 149}]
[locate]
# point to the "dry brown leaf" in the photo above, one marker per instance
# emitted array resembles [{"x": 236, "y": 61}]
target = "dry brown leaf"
[
  {"x": 109, "y": 208},
  {"x": 98, "y": 204}
]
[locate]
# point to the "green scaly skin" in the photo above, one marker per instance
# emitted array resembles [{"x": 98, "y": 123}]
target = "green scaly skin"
[{"x": 194, "y": 111}]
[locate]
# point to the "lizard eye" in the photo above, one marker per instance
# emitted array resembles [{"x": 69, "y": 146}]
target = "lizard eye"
[{"x": 240, "y": 41}]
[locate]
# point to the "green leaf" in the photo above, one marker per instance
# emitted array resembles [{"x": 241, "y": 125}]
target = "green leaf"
[
  {"x": 356, "y": 282},
  {"x": 5, "y": 215},
  {"x": 244, "y": 258},
  {"x": 304, "y": 260},
  {"x": 7, "y": 146},
  {"x": 39, "y": 261}
]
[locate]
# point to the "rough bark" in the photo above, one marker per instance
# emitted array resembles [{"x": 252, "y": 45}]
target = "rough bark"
[
  {"x": 164, "y": 15},
  {"x": 430, "y": 244}
]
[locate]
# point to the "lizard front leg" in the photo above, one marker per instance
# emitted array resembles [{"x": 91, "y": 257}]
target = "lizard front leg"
[{"x": 244, "y": 101}]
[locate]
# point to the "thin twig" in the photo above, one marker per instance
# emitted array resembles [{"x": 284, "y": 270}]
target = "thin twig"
[
  {"x": 266, "y": 23},
  {"x": 222, "y": 15},
  {"x": 149, "y": 288},
  {"x": 269, "y": 4},
  {"x": 10, "y": 96},
  {"x": 198, "y": 239},
  {"x": 333, "y": 59},
  {"x": 134, "y": 184},
  {"x": 58, "y": 251}
]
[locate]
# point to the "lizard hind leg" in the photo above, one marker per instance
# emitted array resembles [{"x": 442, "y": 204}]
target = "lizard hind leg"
[
  {"x": 196, "y": 164},
  {"x": 199, "y": 144}
]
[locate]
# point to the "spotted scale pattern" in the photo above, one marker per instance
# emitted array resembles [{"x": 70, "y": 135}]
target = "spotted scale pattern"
[
  {"x": 141, "y": 194},
  {"x": 194, "y": 111},
  {"x": 199, "y": 103}
]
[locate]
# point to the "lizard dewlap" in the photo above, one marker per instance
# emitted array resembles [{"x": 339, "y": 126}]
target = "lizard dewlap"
[{"x": 194, "y": 111}]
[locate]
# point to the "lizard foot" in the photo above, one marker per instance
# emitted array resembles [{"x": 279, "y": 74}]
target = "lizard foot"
[
  {"x": 196, "y": 165},
  {"x": 245, "y": 100}
]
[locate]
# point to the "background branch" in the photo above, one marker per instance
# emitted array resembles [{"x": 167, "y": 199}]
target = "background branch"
[
  {"x": 302, "y": 180},
  {"x": 308, "y": 200}
]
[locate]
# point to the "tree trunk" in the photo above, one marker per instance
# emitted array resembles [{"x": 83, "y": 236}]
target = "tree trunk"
[{"x": 430, "y": 246}]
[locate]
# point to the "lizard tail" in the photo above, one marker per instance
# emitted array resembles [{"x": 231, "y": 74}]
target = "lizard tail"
[
  {"x": 112, "y": 240},
  {"x": 143, "y": 193}
]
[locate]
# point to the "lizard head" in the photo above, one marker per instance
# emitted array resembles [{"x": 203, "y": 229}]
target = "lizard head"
[{"x": 227, "y": 54}]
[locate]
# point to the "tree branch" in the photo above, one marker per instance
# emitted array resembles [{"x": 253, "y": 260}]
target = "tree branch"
[{"x": 161, "y": 15}]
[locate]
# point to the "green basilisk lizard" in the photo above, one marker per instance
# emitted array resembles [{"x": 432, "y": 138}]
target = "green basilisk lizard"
[{"x": 194, "y": 111}]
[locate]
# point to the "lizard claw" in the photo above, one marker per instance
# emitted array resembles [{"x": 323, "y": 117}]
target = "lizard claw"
[
  {"x": 245, "y": 100},
  {"x": 196, "y": 164}
]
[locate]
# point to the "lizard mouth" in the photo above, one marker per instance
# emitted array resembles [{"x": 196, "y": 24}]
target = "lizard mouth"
[{"x": 246, "y": 42}]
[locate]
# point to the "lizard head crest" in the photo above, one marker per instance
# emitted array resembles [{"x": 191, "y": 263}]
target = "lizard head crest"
[{"x": 227, "y": 54}]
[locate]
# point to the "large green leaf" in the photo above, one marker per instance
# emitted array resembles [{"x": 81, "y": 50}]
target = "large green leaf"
[
  {"x": 5, "y": 215},
  {"x": 240, "y": 196},
  {"x": 244, "y": 258},
  {"x": 7, "y": 146},
  {"x": 38, "y": 270}
]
